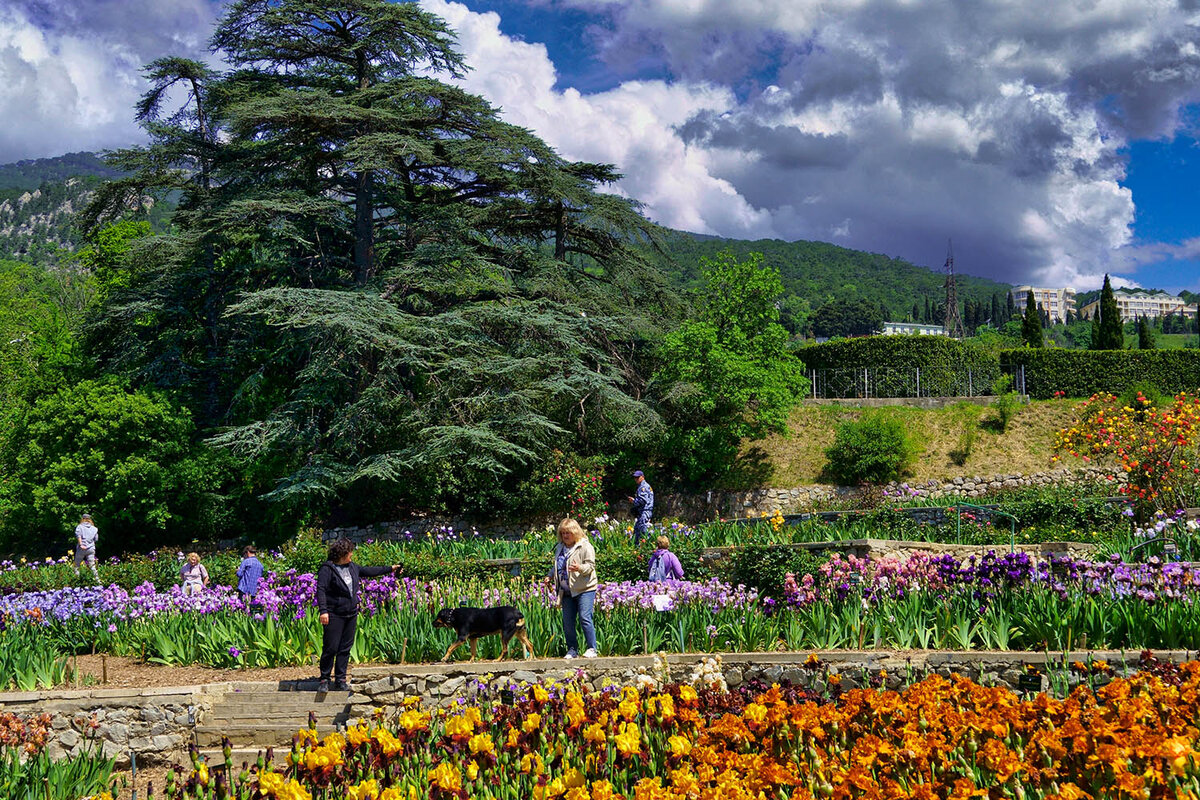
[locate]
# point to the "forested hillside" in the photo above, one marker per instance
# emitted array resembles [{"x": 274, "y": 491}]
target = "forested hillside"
[{"x": 815, "y": 273}]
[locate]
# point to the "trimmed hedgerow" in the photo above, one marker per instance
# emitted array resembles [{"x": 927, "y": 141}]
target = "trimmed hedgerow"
[
  {"x": 944, "y": 363},
  {"x": 1082, "y": 373}
]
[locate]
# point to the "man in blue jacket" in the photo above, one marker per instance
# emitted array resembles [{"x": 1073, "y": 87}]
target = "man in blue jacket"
[{"x": 643, "y": 507}]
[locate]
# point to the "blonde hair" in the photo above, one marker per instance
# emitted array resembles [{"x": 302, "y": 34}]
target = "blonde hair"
[
  {"x": 662, "y": 542},
  {"x": 571, "y": 526},
  {"x": 189, "y": 556}
]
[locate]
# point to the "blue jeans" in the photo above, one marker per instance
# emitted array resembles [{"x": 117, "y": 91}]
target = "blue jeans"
[{"x": 581, "y": 605}]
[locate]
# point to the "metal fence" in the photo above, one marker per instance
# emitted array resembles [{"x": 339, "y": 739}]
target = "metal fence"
[{"x": 867, "y": 382}]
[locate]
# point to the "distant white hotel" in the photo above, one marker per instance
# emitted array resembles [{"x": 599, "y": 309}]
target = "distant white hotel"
[
  {"x": 1055, "y": 302},
  {"x": 1143, "y": 304},
  {"x": 912, "y": 329}
]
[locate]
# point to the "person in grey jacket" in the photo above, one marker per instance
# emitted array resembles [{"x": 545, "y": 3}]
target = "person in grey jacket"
[
  {"x": 86, "y": 536},
  {"x": 643, "y": 507}
]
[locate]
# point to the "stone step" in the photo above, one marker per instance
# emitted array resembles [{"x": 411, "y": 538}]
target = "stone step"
[
  {"x": 244, "y": 716},
  {"x": 261, "y": 734},
  {"x": 244, "y": 755},
  {"x": 261, "y": 705}
]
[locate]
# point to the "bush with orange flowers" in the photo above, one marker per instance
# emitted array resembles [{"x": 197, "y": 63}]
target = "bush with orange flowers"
[
  {"x": 28, "y": 773},
  {"x": 1155, "y": 447},
  {"x": 1134, "y": 737}
]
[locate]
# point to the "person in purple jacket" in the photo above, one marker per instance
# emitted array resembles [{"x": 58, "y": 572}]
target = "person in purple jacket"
[{"x": 664, "y": 565}]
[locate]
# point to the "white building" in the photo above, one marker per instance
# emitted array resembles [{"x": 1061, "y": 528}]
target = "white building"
[
  {"x": 912, "y": 329},
  {"x": 1143, "y": 304},
  {"x": 1055, "y": 302}
]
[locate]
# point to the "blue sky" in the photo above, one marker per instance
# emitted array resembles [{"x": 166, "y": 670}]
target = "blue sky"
[{"x": 1053, "y": 142}]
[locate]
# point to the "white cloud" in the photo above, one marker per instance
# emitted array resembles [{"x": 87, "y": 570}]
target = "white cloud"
[
  {"x": 70, "y": 72},
  {"x": 632, "y": 126}
]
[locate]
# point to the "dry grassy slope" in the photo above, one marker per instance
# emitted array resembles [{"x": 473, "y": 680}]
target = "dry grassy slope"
[{"x": 1025, "y": 447}]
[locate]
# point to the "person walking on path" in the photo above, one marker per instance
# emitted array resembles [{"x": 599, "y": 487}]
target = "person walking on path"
[
  {"x": 573, "y": 572},
  {"x": 338, "y": 582},
  {"x": 249, "y": 572},
  {"x": 86, "y": 536},
  {"x": 193, "y": 574},
  {"x": 643, "y": 507},
  {"x": 664, "y": 565}
]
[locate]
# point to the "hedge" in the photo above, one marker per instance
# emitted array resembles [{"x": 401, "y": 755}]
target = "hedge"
[
  {"x": 1082, "y": 373},
  {"x": 944, "y": 364}
]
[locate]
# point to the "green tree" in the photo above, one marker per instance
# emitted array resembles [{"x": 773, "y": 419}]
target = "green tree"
[
  {"x": 1031, "y": 327},
  {"x": 847, "y": 318},
  {"x": 124, "y": 456},
  {"x": 376, "y": 289},
  {"x": 727, "y": 375},
  {"x": 1145, "y": 336},
  {"x": 1108, "y": 329},
  {"x": 106, "y": 255}
]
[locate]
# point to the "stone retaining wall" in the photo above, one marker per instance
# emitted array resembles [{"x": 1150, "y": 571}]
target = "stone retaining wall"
[
  {"x": 700, "y": 507},
  {"x": 158, "y": 724},
  {"x": 155, "y": 723},
  {"x": 445, "y": 684}
]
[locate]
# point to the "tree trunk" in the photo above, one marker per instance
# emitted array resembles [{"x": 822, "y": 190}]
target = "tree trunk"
[{"x": 364, "y": 229}]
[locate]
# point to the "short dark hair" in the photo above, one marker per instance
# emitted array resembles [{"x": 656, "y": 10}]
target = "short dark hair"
[
  {"x": 248, "y": 551},
  {"x": 340, "y": 549}
]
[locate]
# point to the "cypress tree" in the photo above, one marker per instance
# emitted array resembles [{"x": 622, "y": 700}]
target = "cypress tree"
[
  {"x": 916, "y": 313},
  {"x": 995, "y": 318},
  {"x": 1010, "y": 308},
  {"x": 1031, "y": 326},
  {"x": 1145, "y": 337},
  {"x": 1111, "y": 329}
]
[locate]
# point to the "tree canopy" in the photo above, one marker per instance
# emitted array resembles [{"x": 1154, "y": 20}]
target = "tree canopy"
[{"x": 374, "y": 282}]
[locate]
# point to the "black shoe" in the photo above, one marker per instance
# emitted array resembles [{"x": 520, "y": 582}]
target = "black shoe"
[
  {"x": 341, "y": 686},
  {"x": 323, "y": 686}
]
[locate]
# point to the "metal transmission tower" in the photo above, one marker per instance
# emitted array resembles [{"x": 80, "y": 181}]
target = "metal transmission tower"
[{"x": 954, "y": 326}]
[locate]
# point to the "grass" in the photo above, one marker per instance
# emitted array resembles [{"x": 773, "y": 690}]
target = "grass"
[
  {"x": 1024, "y": 448},
  {"x": 1164, "y": 341}
]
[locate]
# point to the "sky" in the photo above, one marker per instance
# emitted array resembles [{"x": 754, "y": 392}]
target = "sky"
[{"x": 1052, "y": 141}]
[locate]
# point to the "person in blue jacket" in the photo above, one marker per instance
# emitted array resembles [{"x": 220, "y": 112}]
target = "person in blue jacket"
[
  {"x": 643, "y": 507},
  {"x": 249, "y": 573}
]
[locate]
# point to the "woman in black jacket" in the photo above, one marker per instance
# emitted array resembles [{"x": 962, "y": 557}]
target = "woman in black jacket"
[{"x": 337, "y": 601}]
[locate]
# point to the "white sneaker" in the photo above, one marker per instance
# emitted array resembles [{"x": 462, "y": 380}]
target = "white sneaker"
[
  {"x": 590, "y": 653},
  {"x": 571, "y": 654}
]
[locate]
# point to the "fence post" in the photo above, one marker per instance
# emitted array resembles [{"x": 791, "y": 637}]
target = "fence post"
[
  {"x": 918, "y": 381},
  {"x": 866, "y": 383},
  {"x": 814, "y": 383},
  {"x": 970, "y": 384}
]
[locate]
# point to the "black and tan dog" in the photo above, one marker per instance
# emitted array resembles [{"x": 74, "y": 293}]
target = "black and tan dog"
[{"x": 472, "y": 623}]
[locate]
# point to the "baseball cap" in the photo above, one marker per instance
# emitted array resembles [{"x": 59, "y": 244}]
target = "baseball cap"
[{"x": 637, "y": 473}]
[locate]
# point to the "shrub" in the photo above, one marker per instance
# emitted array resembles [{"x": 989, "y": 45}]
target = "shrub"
[
  {"x": 1006, "y": 402},
  {"x": 765, "y": 568},
  {"x": 872, "y": 449}
]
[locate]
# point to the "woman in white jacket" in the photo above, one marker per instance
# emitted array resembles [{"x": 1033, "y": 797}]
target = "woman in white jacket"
[{"x": 574, "y": 577}]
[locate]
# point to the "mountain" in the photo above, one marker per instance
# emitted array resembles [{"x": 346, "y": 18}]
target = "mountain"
[
  {"x": 39, "y": 199},
  {"x": 25, "y": 176},
  {"x": 816, "y": 272}
]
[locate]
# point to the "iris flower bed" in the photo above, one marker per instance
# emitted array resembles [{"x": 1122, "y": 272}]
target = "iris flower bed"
[
  {"x": 1000, "y": 602},
  {"x": 939, "y": 738}
]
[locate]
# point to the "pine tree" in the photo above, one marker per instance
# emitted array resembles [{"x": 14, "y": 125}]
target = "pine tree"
[
  {"x": 1031, "y": 326},
  {"x": 1111, "y": 334},
  {"x": 380, "y": 284}
]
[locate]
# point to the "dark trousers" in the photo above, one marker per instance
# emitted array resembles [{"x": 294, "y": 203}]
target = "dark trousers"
[{"x": 338, "y": 639}]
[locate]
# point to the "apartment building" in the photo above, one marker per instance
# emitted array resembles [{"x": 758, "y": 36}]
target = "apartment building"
[
  {"x": 912, "y": 329},
  {"x": 1056, "y": 302},
  {"x": 1142, "y": 304}
]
